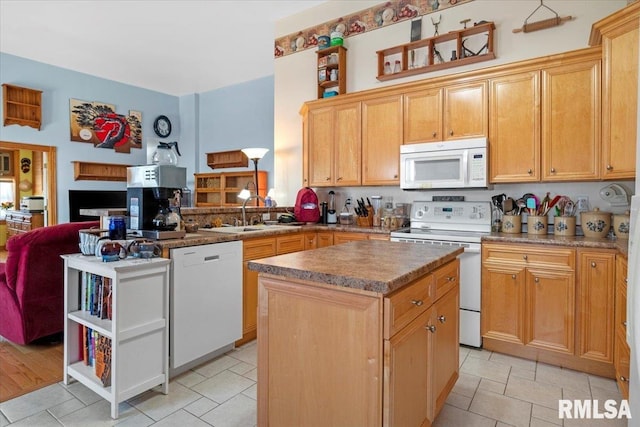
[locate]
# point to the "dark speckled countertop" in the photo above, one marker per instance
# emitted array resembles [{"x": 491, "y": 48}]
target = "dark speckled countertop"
[
  {"x": 371, "y": 265},
  {"x": 621, "y": 245}
]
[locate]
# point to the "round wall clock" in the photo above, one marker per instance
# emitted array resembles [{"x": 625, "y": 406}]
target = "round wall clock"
[{"x": 162, "y": 126}]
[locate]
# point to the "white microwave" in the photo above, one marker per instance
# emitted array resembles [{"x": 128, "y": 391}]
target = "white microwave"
[{"x": 450, "y": 164}]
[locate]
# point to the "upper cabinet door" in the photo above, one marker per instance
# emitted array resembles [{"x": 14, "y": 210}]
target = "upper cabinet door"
[
  {"x": 466, "y": 111},
  {"x": 381, "y": 140},
  {"x": 620, "y": 101},
  {"x": 348, "y": 145},
  {"x": 571, "y": 122},
  {"x": 423, "y": 116},
  {"x": 320, "y": 146},
  {"x": 514, "y": 128}
]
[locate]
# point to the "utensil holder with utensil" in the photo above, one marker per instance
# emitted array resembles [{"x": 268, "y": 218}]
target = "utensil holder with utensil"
[
  {"x": 564, "y": 225},
  {"x": 537, "y": 224},
  {"x": 512, "y": 224}
]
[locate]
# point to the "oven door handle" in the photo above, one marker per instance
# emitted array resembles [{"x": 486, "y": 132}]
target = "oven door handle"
[{"x": 473, "y": 249}]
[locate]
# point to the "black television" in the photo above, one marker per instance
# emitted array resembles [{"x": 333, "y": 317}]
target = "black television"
[{"x": 94, "y": 199}]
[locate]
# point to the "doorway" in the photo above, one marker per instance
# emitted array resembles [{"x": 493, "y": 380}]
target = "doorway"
[{"x": 41, "y": 165}]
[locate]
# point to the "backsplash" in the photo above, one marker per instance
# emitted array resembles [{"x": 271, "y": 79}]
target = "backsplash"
[{"x": 570, "y": 189}]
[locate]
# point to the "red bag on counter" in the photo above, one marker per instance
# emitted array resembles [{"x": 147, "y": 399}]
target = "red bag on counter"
[{"x": 306, "y": 207}]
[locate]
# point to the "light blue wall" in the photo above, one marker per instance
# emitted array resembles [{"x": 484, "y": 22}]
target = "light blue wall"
[
  {"x": 230, "y": 118},
  {"x": 235, "y": 117}
]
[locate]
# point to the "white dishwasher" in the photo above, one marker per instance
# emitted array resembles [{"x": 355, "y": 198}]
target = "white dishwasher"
[{"x": 205, "y": 300}]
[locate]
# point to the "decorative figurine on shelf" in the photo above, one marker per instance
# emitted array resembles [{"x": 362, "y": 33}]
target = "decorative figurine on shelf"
[{"x": 435, "y": 24}]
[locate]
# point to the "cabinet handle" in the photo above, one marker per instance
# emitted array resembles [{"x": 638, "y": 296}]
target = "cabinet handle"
[
  {"x": 624, "y": 379},
  {"x": 451, "y": 133},
  {"x": 537, "y": 280},
  {"x": 593, "y": 264},
  {"x": 417, "y": 302},
  {"x": 442, "y": 318},
  {"x": 430, "y": 328},
  {"x": 609, "y": 167},
  {"x": 525, "y": 257},
  {"x": 451, "y": 279},
  {"x": 513, "y": 276},
  {"x": 624, "y": 324},
  {"x": 530, "y": 171},
  {"x": 328, "y": 178},
  {"x": 395, "y": 176},
  {"x": 339, "y": 179},
  {"x": 434, "y": 134},
  {"x": 553, "y": 170}
]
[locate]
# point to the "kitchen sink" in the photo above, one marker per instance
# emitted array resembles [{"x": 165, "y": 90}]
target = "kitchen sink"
[{"x": 248, "y": 228}]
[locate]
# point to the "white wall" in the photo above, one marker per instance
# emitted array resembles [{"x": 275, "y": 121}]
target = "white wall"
[{"x": 295, "y": 74}]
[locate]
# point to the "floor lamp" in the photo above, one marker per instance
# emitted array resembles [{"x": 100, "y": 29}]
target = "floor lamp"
[{"x": 255, "y": 154}]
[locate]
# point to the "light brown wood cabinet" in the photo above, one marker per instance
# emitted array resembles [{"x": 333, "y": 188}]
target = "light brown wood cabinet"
[
  {"x": 222, "y": 189},
  {"x": 528, "y": 296},
  {"x": 571, "y": 119},
  {"x": 256, "y": 248},
  {"x": 334, "y": 154},
  {"x": 381, "y": 140},
  {"x": 19, "y": 222},
  {"x": 550, "y": 304},
  {"x": 621, "y": 354},
  {"x": 618, "y": 34},
  {"x": 596, "y": 290},
  {"x": 544, "y": 123},
  {"x": 401, "y": 364},
  {"x": 446, "y": 113},
  {"x": 514, "y": 127}
]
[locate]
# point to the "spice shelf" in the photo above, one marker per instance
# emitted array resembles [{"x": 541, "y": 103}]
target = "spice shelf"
[
  {"x": 429, "y": 48},
  {"x": 332, "y": 59}
]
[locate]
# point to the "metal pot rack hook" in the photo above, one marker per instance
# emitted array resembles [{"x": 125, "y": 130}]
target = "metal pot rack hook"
[{"x": 541, "y": 25}]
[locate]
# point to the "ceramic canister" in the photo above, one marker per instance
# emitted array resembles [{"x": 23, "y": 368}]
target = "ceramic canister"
[
  {"x": 564, "y": 226},
  {"x": 595, "y": 223},
  {"x": 621, "y": 225},
  {"x": 512, "y": 224},
  {"x": 537, "y": 224}
]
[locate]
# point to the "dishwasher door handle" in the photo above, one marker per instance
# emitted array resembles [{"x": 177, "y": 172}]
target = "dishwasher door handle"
[{"x": 212, "y": 258}]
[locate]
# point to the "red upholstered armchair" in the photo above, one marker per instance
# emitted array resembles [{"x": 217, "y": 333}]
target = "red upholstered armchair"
[{"x": 32, "y": 281}]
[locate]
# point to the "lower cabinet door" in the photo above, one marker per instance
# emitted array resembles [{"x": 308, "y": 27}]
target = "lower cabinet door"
[
  {"x": 596, "y": 305},
  {"x": 550, "y": 308},
  {"x": 622, "y": 365},
  {"x": 446, "y": 354},
  {"x": 503, "y": 290},
  {"x": 407, "y": 387}
]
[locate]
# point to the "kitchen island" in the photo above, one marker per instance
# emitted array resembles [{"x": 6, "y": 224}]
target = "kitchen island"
[{"x": 363, "y": 333}]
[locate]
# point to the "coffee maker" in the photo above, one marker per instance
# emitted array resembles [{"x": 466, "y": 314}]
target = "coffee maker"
[{"x": 150, "y": 190}]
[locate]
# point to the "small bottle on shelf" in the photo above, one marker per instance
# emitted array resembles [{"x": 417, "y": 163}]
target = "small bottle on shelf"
[
  {"x": 397, "y": 68},
  {"x": 387, "y": 68}
]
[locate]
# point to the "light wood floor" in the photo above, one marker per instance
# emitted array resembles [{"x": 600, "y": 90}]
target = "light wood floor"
[{"x": 25, "y": 368}]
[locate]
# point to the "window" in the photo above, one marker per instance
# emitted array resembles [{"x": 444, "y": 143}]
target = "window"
[{"x": 7, "y": 194}]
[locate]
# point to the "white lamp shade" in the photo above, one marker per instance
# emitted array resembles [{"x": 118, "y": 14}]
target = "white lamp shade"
[
  {"x": 244, "y": 194},
  {"x": 255, "y": 153}
]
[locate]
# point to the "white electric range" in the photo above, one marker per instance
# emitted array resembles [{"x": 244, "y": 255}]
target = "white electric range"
[{"x": 455, "y": 224}]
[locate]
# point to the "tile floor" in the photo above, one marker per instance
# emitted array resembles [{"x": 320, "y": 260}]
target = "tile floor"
[{"x": 494, "y": 390}]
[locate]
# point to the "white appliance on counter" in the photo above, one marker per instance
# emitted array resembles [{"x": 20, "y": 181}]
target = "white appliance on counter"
[
  {"x": 455, "y": 224},
  {"x": 448, "y": 164},
  {"x": 205, "y": 302}
]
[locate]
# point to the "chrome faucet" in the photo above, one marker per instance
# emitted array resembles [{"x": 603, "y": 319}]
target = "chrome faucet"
[{"x": 244, "y": 207}]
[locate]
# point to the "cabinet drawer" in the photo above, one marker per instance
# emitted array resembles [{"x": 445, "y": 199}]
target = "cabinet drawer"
[
  {"x": 288, "y": 244},
  {"x": 401, "y": 307},
  {"x": 446, "y": 277},
  {"x": 258, "y": 248},
  {"x": 529, "y": 255}
]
